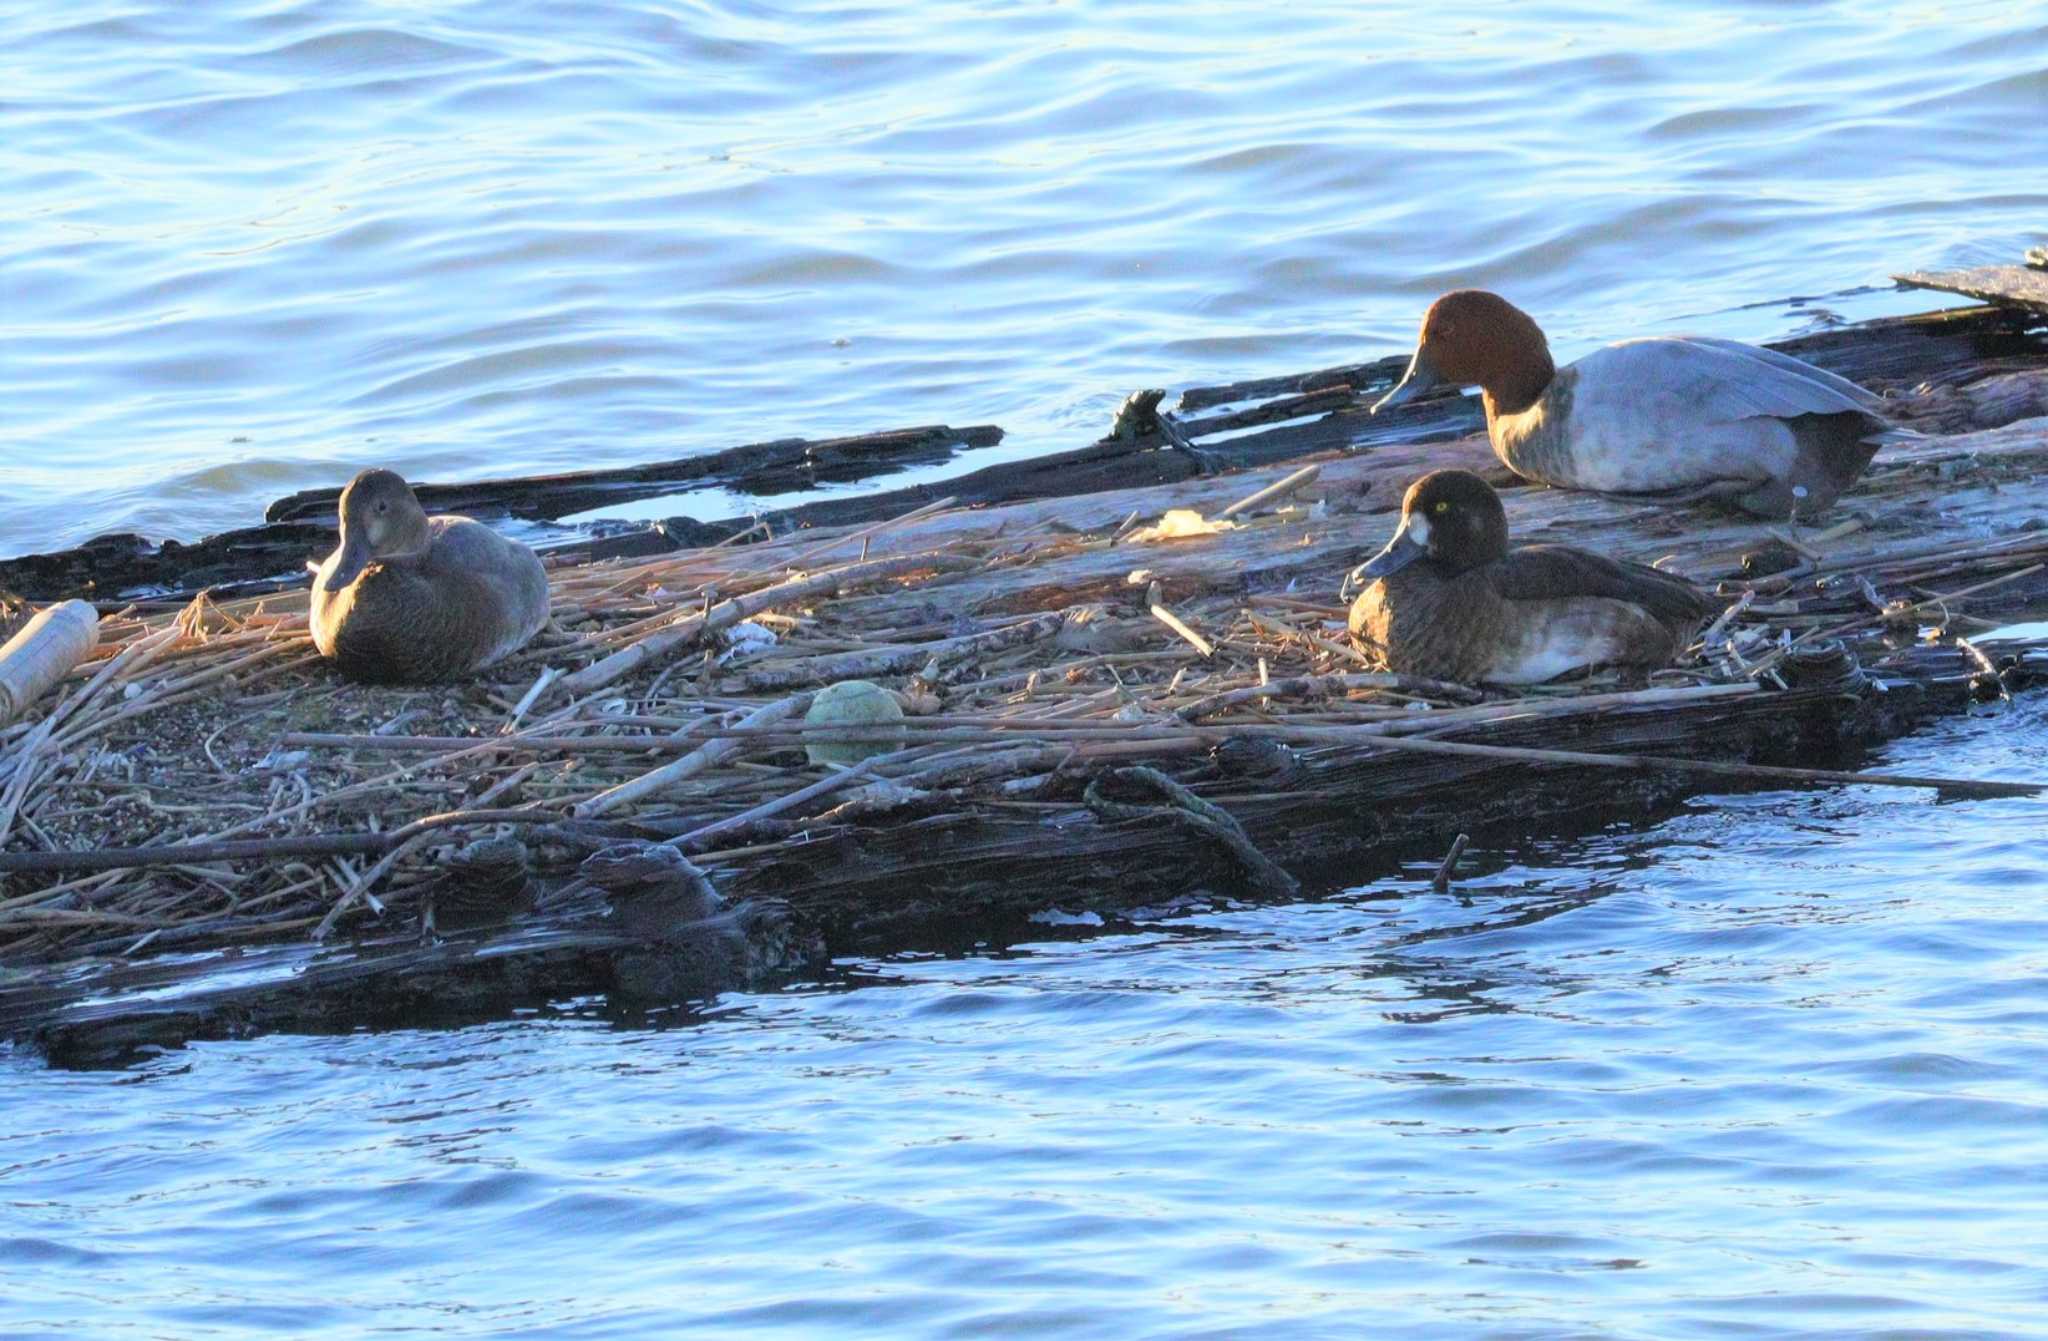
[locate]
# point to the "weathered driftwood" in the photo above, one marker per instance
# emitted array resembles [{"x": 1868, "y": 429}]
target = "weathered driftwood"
[
  {"x": 643, "y": 937},
  {"x": 113, "y": 569},
  {"x": 2005, "y": 285},
  {"x": 1324, "y": 411}
]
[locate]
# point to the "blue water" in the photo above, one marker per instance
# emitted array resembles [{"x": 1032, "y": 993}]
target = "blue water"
[
  {"x": 253, "y": 245},
  {"x": 1769, "y": 1067}
]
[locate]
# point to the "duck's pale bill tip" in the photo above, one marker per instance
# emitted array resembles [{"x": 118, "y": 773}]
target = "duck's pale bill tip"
[{"x": 1410, "y": 543}]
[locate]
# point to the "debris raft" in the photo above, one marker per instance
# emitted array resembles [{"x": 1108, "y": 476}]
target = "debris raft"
[{"x": 1090, "y": 720}]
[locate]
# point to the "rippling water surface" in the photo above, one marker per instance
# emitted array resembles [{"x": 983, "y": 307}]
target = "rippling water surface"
[
  {"x": 1771, "y": 1067},
  {"x": 1730, "y": 1075},
  {"x": 253, "y": 245}
]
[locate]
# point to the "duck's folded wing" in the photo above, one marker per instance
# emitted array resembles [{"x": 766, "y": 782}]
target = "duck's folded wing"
[
  {"x": 1725, "y": 379},
  {"x": 1550, "y": 572}
]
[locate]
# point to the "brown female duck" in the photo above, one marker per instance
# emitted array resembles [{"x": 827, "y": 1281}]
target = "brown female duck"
[
  {"x": 1451, "y": 601},
  {"x": 408, "y": 599}
]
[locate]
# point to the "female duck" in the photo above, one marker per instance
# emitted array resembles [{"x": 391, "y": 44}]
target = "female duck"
[
  {"x": 408, "y": 598},
  {"x": 1670, "y": 419},
  {"x": 1452, "y": 602}
]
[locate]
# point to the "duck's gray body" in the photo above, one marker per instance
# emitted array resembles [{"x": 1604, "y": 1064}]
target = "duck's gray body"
[{"x": 1679, "y": 419}]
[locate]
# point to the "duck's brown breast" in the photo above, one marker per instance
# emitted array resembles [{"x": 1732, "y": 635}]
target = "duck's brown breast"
[{"x": 1417, "y": 623}]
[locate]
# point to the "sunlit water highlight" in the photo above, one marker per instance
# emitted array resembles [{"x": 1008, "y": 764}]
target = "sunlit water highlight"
[{"x": 256, "y": 244}]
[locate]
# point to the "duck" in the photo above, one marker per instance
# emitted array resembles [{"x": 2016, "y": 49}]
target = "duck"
[
  {"x": 1447, "y": 599},
  {"x": 1666, "y": 419},
  {"x": 410, "y": 599}
]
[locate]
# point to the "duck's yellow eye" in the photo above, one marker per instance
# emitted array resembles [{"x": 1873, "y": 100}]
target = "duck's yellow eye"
[{"x": 1441, "y": 508}]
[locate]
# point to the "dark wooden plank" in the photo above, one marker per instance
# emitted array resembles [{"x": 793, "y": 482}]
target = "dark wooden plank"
[
  {"x": 785, "y": 465},
  {"x": 2002, "y": 285},
  {"x": 106, "y": 567},
  {"x": 1378, "y": 374}
]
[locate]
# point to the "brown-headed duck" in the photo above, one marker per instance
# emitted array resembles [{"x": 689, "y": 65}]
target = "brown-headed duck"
[
  {"x": 1670, "y": 419},
  {"x": 408, "y": 599},
  {"x": 1449, "y": 599}
]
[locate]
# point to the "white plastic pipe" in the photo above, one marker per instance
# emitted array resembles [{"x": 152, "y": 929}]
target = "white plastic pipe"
[{"x": 44, "y": 652}]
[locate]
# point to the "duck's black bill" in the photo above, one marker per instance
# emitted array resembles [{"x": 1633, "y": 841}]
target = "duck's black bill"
[
  {"x": 1401, "y": 551},
  {"x": 1420, "y": 377}
]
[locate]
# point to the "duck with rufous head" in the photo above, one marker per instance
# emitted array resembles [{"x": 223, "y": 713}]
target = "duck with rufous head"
[{"x": 1671, "y": 419}]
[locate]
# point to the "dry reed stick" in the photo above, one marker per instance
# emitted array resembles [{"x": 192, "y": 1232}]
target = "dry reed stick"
[
  {"x": 685, "y": 629},
  {"x": 1300, "y": 479},
  {"x": 832, "y": 782},
  {"x": 691, "y": 764}
]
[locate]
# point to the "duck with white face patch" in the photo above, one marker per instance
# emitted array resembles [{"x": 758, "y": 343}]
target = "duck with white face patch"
[{"x": 1448, "y": 599}]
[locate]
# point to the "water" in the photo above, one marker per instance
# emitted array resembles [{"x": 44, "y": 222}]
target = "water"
[
  {"x": 1771, "y": 1067},
  {"x": 252, "y": 245}
]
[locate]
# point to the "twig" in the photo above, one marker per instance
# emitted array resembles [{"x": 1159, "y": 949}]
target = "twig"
[
  {"x": 690, "y": 764},
  {"x": 686, "y": 630},
  {"x": 1441, "y": 882},
  {"x": 1197, "y": 813},
  {"x": 1180, "y": 626},
  {"x": 540, "y": 685},
  {"x": 360, "y": 887},
  {"x": 1300, "y": 479},
  {"x": 830, "y": 783},
  {"x": 265, "y": 849}
]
